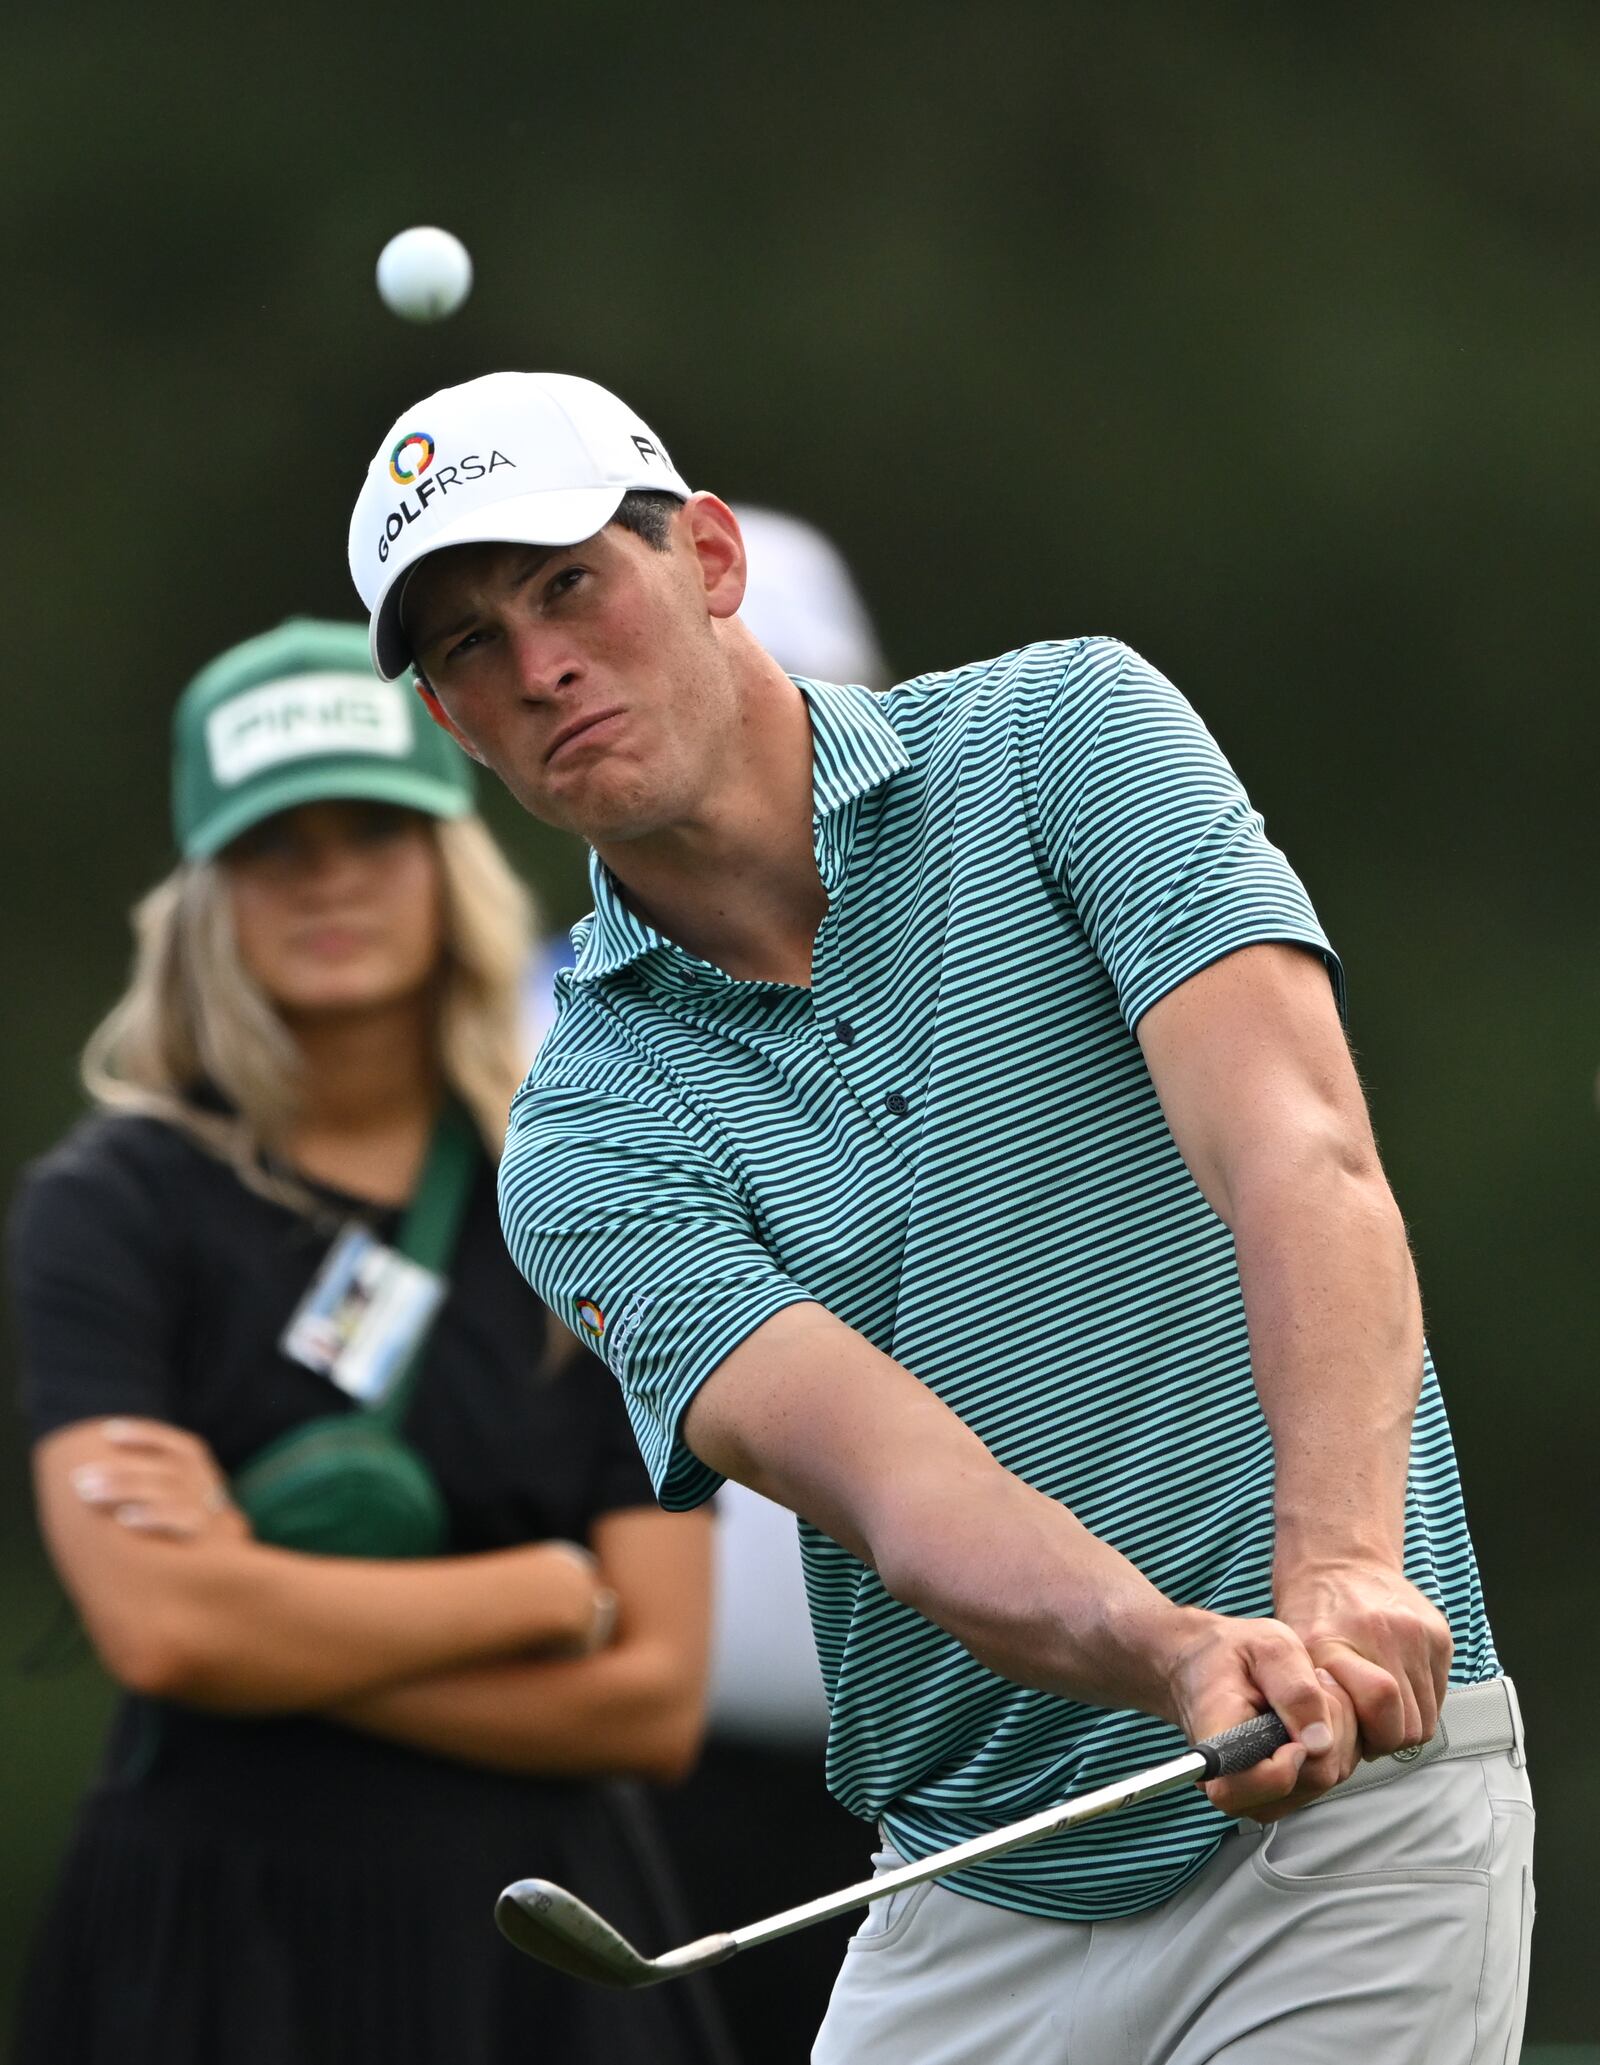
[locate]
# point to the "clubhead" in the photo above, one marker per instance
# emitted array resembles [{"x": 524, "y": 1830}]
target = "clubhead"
[{"x": 559, "y": 1929}]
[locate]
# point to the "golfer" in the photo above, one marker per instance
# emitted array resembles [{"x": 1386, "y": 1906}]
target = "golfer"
[{"x": 949, "y": 1131}]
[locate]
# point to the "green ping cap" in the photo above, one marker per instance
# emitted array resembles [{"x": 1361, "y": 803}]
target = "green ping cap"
[{"x": 298, "y": 716}]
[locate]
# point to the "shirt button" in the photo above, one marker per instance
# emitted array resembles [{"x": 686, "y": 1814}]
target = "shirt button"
[
  {"x": 896, "y": 1105},
  {"x": 844, "y": 1032}
]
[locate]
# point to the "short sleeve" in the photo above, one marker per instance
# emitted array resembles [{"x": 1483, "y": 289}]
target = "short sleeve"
[
  {"x": 644, "y": 1248},
  {"x": 94, "y": 1278},
  {"x": 1142, "y": 821}
]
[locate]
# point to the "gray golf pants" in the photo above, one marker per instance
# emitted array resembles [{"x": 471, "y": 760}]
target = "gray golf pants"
[{"x": 1387, "y": 1925}]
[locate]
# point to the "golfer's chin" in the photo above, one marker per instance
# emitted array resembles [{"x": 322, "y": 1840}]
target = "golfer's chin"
[{"x": 608, "y": 803}]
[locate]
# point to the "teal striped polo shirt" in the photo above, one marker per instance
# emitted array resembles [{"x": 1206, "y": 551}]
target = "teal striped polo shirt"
[{"x": 951, "y": 1141}]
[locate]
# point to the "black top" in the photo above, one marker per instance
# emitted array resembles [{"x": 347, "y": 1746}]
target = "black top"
[{"x": 149, "y": 1280}]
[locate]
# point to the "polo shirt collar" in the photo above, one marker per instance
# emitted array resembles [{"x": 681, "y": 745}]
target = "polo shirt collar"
[
  {"x": 854, "y": 748},
  {"x": 614, "y": 936}
]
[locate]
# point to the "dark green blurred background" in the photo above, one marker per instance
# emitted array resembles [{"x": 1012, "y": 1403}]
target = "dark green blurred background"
[{"x": 1264, "y": 338}]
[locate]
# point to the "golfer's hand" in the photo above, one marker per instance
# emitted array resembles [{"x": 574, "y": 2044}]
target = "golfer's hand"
[
  {"x": 1225, "y": 1671},
  {"x": 1387, "y": 1646},
  {"x": 156, "y": 1479}
]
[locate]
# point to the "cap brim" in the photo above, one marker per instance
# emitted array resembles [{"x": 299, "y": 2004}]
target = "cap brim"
[
  {"x": 559, "y": 516},
  {"x": 369, "y": 781}
]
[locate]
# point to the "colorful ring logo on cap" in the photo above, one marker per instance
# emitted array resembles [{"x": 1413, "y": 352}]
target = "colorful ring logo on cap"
[
  {"x": 423, "y": 456},
  {"x": 591, "y": 1318}
]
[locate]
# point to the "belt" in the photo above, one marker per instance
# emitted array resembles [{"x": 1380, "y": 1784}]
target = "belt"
[{"x": 1474, "y": 1721}]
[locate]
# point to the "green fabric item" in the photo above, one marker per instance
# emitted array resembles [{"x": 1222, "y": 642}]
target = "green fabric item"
[
  {"x": 298, "y": 716},
  {"x": 347, "y": 1484}
]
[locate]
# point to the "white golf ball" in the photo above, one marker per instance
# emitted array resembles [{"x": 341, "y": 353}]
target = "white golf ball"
[{"x": 424, "y": 274}]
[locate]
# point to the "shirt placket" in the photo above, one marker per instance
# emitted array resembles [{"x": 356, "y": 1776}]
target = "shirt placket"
[{"x": 863, "y": 1060}]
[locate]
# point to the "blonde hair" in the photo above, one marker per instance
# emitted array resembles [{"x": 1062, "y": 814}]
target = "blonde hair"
[{"x": 193, "y": 1019}]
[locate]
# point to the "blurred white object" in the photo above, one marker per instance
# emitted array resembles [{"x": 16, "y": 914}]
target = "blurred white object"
[
  {"x": 765, "y": 1685},
  {"x": 424, "y": 274},
  {"x": 545, "y": 963},
  {"x": 802, "y": 602}
]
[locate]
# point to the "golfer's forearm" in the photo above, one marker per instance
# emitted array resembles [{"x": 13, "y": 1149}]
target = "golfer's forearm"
[
  {"x": 810, "y": 1414},
  {"x": 1260, "y": 1093},
  {"x": 259, "y": 1629},
  {"x": 1336, "y": 1346},
  {"x": 1029, "y": 1590},
  {"x": 633, "y": 1710}
]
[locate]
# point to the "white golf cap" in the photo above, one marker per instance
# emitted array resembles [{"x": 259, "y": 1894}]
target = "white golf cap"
[{"x": 511, "y": 458}]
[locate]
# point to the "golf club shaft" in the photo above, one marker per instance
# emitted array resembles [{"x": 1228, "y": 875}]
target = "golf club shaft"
[
  {"x": 1125, "y": 1792},
  {"x": 549, "y": 1923}
]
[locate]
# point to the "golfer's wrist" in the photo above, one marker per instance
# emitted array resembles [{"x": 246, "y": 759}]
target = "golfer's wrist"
[
  {"x": 1329, "y": 1509},
  {"x": 1142, "y": 1640}
]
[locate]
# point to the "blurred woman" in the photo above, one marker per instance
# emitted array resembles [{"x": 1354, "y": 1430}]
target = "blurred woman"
[{"x": 377, "y": 1564}]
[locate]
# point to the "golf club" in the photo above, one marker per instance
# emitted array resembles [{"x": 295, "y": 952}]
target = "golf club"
[{"x": 560, "y": 1930}]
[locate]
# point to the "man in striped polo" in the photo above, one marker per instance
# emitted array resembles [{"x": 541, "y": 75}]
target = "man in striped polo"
[{"x": 949, "y": 1131}]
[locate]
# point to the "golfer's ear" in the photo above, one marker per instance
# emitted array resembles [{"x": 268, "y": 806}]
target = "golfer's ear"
[
  {"x": 713, "y": 532},
  {"x": 441, "y": 716}
]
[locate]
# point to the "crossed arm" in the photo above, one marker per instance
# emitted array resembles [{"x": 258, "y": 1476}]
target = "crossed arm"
[
  {"x": 1261, "y": 1097},
  {"x": 501, "y": 1658}
]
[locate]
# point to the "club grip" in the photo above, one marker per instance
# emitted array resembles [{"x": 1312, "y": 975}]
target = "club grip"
[{"x": 1236, "y": 1749}]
